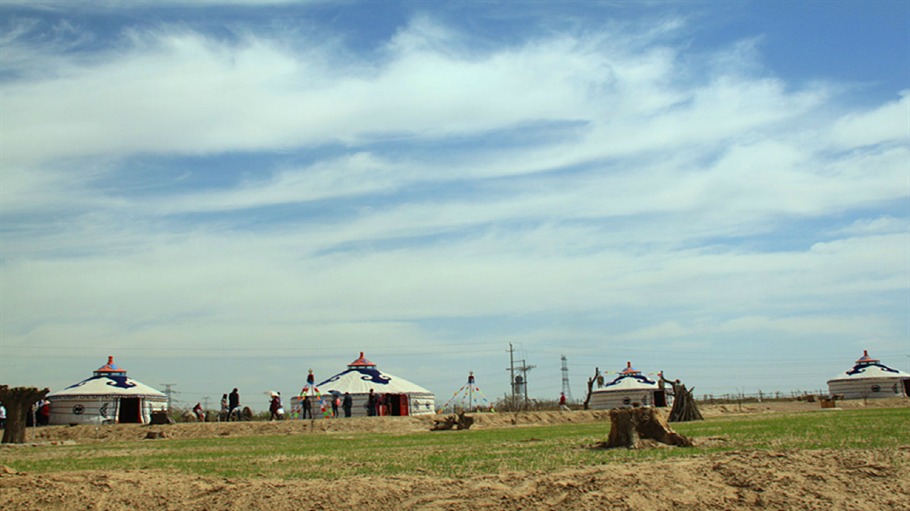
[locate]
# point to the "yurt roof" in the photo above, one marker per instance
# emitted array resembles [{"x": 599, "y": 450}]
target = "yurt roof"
[
  {"x": 868, "y": 367},
  {"x": 629, "y": 379},
  {"x": 362, "y": 375},
  {"x": 108, "y": 380}
]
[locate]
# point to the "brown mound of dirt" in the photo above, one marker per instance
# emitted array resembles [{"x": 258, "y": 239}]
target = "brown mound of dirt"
[
  {"x": 831, "y": 480},
  {"x": 127, "y": 432},
  {"x": 752, "y": 407},
  {"x": 855, "y": 479}
]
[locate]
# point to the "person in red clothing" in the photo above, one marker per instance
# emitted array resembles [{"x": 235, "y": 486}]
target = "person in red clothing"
[
  {"x": 43, "y": 415},
  {"x": 275, "y": 407},
  {"x": 562, "y": 403},
  {"x": 200, "y": 414}
]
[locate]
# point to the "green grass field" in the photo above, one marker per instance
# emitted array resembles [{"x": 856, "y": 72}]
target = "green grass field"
[{"x": 461, "y": 453}]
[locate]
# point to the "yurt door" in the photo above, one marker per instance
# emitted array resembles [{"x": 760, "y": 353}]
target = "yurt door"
[
  {"x": 403, "y": 405},
  {"x": 398, "y": 404},
  {"x": 128, "y": 412},
  {"x": 907, "y": 387}
]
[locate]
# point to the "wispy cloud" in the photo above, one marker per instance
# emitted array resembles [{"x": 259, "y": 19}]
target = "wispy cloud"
[{"x": 558, "y": 186}]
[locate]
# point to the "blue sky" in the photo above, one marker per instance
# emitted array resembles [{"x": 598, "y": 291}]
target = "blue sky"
[{"x": 226, "y": 194}]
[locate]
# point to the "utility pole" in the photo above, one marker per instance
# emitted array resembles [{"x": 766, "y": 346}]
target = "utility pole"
[
  {"x": 524, "y": 371},
  {"x": 205, "y": 403},
  {"x": 511, "y": 370},
  {"x": 518, "y": 383},
  {"x": 566, "y": 388}
]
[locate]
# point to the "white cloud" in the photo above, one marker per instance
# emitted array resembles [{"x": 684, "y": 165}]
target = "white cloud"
[
  {"x": 180, "y": 91},
  {"x": 887, "y": 123},
  {"x": 878, "y": 225},
  {"x": 351, "y": 175},
  {"x": 604, "y": 182}
]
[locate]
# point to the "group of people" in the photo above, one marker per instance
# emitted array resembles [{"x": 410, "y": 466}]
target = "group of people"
[
  {"x": 40, "y": 414},
  {"x": 333, "y": 403},
  {"x": 231, "y": 410},
  {"x": 372, "y": 404},
  {"x": 330, "y": 406},
  {"x": 230, "y": 407},
  {"x": 381, "y": 404}
]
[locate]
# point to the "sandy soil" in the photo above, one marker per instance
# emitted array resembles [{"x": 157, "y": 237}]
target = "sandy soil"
[{"x": 801, "y": 480}]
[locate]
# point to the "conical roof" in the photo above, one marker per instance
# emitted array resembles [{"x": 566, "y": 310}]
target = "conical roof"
[
  {"x": 108, "y": 380},
  {"x": 868, "y": 367},
  {"x": 362, "y": 375},
  {"x": 630, "y": 378}
]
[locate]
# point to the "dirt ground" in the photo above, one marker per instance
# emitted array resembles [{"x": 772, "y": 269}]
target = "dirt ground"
[{"x": 795, "y": 479}]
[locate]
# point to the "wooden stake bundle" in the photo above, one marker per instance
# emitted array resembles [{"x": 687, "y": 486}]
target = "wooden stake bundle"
[{"x": 685, "y": 408}]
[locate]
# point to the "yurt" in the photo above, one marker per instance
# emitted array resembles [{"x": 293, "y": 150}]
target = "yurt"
[
  {"x": 109, "y": 396},
  {"x": 630, "y": 388},
  {"x": 869, "y": 378},
  {"x": 398, "y": 396}
]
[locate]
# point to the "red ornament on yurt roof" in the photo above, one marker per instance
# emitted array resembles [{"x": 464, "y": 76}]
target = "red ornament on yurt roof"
[
  {"x": 866, "y": 359},
  {"x": 361, "y": 362},
  {"x": 629, "y": 369},
  {"x": 109, "y": 368}
]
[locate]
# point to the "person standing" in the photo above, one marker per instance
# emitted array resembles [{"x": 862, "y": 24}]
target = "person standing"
[
  {"x": 336, "y": 401},
  {"x": 307, "y": 407},
  {"x": 372, "y": 404},
  {"x": 225, "y": 410},
  {"x": 234, "y": 404},
  {"x": 346, "y": 404},
  {"x": 386, "y": 408},
  {"x": 44, "y": 413}
]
